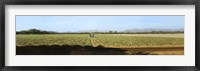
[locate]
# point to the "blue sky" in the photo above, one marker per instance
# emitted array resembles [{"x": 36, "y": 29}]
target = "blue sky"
[{"x": 101, "y": 23}]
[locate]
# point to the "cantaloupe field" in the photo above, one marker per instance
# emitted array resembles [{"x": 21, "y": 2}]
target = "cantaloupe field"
[{"x": 104, "y": 40}]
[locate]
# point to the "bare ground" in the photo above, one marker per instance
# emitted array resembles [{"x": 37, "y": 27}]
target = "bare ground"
[{"x": 99, "y": 50}]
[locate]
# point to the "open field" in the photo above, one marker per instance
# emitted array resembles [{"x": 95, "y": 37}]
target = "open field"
[
  {"x": 150, "y": 35},
  {"x": 114, "y": 44},
  {"x": 138, "y": 40}
]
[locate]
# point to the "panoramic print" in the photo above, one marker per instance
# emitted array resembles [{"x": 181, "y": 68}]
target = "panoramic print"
[{"x": 99, "y": 35}]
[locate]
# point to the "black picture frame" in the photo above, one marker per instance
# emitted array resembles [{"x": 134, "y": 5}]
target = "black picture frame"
[{"x": 99, "y": 2}]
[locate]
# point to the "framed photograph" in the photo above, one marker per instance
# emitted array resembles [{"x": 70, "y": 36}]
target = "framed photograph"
[{"x": 87, "y": 35}]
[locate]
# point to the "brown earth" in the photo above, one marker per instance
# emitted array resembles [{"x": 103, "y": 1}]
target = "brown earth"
[{"x": 99, "y": 50}]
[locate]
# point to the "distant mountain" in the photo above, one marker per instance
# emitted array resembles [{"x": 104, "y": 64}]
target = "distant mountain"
[
  {"x": 150, "y": 30},
  {"x": 36, "y": 31},
  {"x": 93, "y": 31},
  {"x": 134, "y": 30}
]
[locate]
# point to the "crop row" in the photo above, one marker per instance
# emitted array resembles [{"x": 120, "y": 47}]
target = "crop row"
[
  {"x": 137, "y": 41},
  {"x": 37, "y": 40},
  {"x": 104, "y": 40}
]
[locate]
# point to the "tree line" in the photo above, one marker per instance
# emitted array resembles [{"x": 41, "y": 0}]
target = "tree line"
[{"x": 36, "y": 31}]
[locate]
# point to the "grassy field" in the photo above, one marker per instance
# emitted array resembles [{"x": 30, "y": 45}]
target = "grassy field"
[
  {"x": 124, "y": 42},
  {"x": 53, "y": 39}
]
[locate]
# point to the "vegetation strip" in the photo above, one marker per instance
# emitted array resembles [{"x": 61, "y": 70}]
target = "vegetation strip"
[{"x": 107, "y": 41}]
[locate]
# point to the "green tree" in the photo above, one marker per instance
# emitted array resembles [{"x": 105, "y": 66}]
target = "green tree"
[
  {"x": 34, "y": 31},
  {"x": 110, "y": 32}
]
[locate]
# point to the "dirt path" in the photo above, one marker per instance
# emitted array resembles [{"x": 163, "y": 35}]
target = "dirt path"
[
  {"x": 92, "y": 41},
  {"x": 150, "y": 47},
  {"x": 155, "y": 51}
]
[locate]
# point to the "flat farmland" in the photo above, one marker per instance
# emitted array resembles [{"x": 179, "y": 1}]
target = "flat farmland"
[
  {"x": 53, "y": 39},
  {"x": 134, "y": 44},
  {"x": 139, "y": 40}
]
